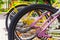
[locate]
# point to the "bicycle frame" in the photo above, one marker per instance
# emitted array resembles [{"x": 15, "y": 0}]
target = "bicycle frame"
[{"x": 46, "y": 24}]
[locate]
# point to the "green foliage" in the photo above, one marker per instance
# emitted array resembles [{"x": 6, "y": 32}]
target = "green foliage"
[
  {"x": 1, "y": 2},
  {"x": 9, "y": 1}
]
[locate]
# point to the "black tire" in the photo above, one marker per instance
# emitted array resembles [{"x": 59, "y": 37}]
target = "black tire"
[
  {"x": 10, "y": 12},
  {"x": 23, "y": 12}
]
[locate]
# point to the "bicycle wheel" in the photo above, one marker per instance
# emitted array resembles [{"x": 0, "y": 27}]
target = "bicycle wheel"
[
  {"x": 11, "y": 13},
  {"x": 16, "y": 18}
]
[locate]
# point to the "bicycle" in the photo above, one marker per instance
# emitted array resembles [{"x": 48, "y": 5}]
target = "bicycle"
[
  {"x": 26, "y": 30},
  {"x": 41, "y": 32}
]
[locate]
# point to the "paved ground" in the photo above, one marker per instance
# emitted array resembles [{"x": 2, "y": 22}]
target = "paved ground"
[{"x": 3, "y": 32}]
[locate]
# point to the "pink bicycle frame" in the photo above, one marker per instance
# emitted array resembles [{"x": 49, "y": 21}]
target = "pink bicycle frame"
[{"x": 45, "y": 24}]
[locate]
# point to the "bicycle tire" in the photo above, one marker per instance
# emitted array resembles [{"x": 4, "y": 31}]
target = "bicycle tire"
[
  {"x": 6, "y": 22},
  {"x": 22, "y": 12}
]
